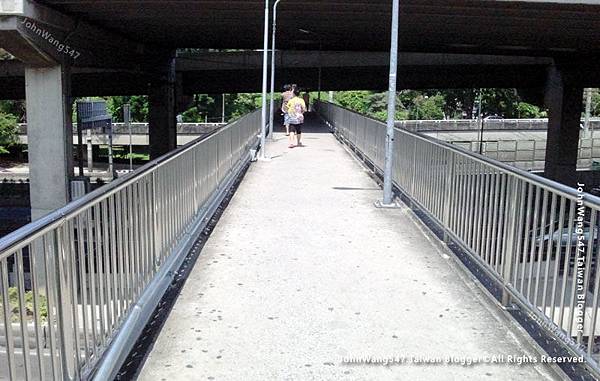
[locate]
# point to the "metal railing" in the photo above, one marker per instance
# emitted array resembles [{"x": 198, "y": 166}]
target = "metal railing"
[
  {"x": 142, "y": 128},
  {"x": 530, "y": 154},
  {"x": 488, "y": 124},
  {"x": 537, "y": 239},
  {"x": 77, "y": 286}
]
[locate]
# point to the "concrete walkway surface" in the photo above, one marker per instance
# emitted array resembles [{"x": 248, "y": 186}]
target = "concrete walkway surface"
[{"x": 303, "y": 273}]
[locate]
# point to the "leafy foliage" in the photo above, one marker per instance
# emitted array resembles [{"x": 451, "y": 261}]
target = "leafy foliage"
[
  {"x": 13, "y": 301},
  {"x": 243, "y": 103},
  {"x": 8, "y": 131},
  {"x": 425, "y": 107},
  {"x": 204, "y": 107},
  {"x": 526, "y": 110},
  {"x": 369, "y": 103},
  {"x": 595, "y": 103},
  {"x": 441, "y": 104},
  {"x": 16, "y": 108},
  {"x": 354, "y": 100},
  {"x": 138, "y": 107}
]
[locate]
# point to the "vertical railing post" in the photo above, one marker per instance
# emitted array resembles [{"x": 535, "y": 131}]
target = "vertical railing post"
[
  {"x": 156, "y": 233},
  {"x": 413, "y": 175},
  {"x": 447, "y": 196},
  {"x": 65, "y": 304},
  {"x": 510, "y": 223},
  {"x": 195, "y": 181}
]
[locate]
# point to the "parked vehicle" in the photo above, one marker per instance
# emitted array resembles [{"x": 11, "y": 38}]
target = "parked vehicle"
[
  {"x": 562, "y": 237},
  {"x": 552, "y": 234}
]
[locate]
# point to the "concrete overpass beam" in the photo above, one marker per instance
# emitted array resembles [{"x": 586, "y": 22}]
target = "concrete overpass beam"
[
  {"x": 41, "y": 36},
  {"x": 162, "y": 123},
  {"x": 564, "y": 102},
  {"x": 49, "y": 133}
]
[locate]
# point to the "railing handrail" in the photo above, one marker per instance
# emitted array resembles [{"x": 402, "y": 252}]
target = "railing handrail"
[
  {"x": 146, "y": 123},
  {"x": 592, "y": 119},
  {"x": 437, "y": 120},
  {"x": 18, "y": 238},
  {"x": 555, "y": 186},
  {"x": 589, "y": 199}
]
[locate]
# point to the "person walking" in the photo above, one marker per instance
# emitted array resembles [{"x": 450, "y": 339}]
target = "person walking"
[
  {"x": 306, "y": 97},
  {"x": 288, "y": 93},
  {"x": 296, "y": 107}
]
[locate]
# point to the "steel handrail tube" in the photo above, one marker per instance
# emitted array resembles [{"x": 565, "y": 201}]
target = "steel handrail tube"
[{"x": 14, "y": 240}]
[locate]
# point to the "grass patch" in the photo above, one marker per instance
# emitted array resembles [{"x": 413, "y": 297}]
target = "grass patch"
[
  {"x": 135, "y": 156},
  {"x": 121, "y": 155}
]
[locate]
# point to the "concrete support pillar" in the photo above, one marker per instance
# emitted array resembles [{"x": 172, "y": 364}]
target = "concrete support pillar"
[
  {"x": 50, "y": 137},
  {"x": 162, "y": 123},
  {"x": 564, "y": 102}
]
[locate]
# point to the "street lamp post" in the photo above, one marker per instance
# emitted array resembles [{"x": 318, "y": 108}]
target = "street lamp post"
[
  {"x": 588, "y": 107},
  {"x": 127, "y": 120},
  {"x": 263, "y": 117},
  {"x": 391, "y": 109},
  {"x": 274, "y": 28},
  {"x": 223, "y": 108},
  {"x": 320, "y": 71},
  {"x": 480, "y": 123}
]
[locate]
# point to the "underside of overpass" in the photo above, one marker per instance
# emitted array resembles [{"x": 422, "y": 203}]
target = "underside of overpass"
[
  {"x": 544, "y": 27},
  {"x": 68, "y": 48},
  {"x": 212, "y": 72}
]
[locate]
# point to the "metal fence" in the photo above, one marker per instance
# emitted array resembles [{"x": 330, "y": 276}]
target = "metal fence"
[
  {"x": 142, "y": 128},
  {"x": 77, "y": 286},
  {"x": 530, "y": 154},
  {"x": 537, "y": 239},
  {"x": 488, "y": 124}
]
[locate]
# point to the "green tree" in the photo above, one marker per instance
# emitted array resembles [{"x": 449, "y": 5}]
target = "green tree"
[
  {"x": 427, "y": 107},
  {"x": 458, "y": 103},
  {"x": 16, "y": 108},
  {"x": 138, "y": 106},
  {"x": 501, "y": 102},
  {"x": 526, "y": 110},
  {"x": 8, "y": 131},
  {"x": 243, "y": 103},
  {"x": 204, "y": 106},
  {"x": 595, "y": 111},
  {"x": 369, "y": 103},
  {"x": 354, "y": 100}
]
